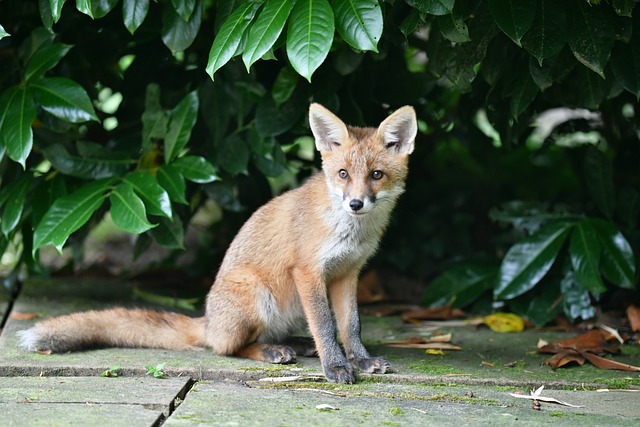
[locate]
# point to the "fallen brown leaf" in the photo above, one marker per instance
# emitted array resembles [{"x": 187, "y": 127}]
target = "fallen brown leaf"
[
  {"x": 603, "y": 363},
  {"x": 633, "y": 314},
  {"x": 432, "y": 313},
  {"x": 370, "y": 289},
  {"x": 435, "y": 345},
  {"x": 565, "y": 357},
  {"x": 594, "y": 341},
  {"x": 24, "y": 316}
]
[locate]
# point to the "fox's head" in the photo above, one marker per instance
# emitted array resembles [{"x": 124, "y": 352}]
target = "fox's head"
[{"x": 364, "y": 167}]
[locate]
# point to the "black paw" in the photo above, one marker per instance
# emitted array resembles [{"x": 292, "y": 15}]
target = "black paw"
[
  {"x": 372, "y": 365},
  {"x": 341, "y": 374},
  {"x": 281, "y": 354}
]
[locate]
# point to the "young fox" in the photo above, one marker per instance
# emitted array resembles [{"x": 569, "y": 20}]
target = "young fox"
[{"x": 297, "y": 258}]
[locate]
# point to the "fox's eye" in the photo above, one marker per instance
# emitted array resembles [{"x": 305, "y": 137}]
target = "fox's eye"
[
  {"x": 343, "y": 174},
  {"x": 377, "y": 175}
]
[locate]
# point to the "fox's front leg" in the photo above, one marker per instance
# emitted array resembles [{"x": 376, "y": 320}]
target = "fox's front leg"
[
  {"x": 315, "y": 302},
  {"x": 344, "y": 300}
]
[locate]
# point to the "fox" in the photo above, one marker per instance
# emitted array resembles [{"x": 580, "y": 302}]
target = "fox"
[{"x": 294, "y": 265}]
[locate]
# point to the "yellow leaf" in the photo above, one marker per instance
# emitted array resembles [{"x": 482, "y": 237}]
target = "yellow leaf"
[
  {"x": 434, "y": 351},
  {"x": 504, "y": 322}
]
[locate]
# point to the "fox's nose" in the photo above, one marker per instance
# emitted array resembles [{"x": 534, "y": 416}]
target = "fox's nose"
[{"x": 356, "y": 204}]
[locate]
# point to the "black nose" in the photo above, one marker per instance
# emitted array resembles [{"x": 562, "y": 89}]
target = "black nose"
[{"x": 356, "y": 204}]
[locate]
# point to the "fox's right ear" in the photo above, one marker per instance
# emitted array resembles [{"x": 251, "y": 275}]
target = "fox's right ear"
[{"x": 328, "y": 130}]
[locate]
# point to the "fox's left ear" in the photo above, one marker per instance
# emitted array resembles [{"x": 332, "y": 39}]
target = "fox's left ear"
[{"x": 399, "y": 130}]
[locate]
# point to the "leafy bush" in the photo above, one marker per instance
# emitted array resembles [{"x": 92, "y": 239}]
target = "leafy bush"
[{"x": 148, "y": 109}]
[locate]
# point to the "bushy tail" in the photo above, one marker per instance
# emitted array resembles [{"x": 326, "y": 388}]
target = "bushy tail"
[{"x": 118, "y": 327}]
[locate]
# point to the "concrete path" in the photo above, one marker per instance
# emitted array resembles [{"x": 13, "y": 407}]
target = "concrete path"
[{"x": 467, "y": 387}]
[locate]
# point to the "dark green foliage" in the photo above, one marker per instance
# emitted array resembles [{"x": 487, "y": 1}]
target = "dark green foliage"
[{"x": 148, "y": 109}]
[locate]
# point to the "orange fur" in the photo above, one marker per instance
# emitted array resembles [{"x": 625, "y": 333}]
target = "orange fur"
[{"x": 294, "y": 263}]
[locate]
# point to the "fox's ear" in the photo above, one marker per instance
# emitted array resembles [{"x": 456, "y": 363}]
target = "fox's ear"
[
  {"x": 328, "y": 130},
  {"x": 398, "y": 131}
]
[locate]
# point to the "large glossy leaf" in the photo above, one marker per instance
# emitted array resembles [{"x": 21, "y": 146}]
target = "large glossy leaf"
[
  {"x": 549, "y": 31},
  {"x": 514, "y": 17},
  {"x": 172, "y": 181},
  {"x": 585, "y": 252},
  {"x": 69, "y": 213},
  {"x": 45, "y": 59},
  {"x": 47, "y": 190},
  {"x": 310, "y": 35},
  {"x": 95, "y": 162},
  {"x": 576, "y": 298},
  {"x": 266, "y": 30},
  {"x": 598, "y": 173},
  {"x": 618, "y": 263},
  {"x": 273, "y": 121},
  {"x": 453, "y": 28},
  {"x": 228, "y": 39},
  {"x": 133, "y": 13},
  {"x": 56, "y": 9},
  {"x": 625, "y": 63},
  {"x": 461, "y": 284},
  {"x": 14, "y": 206},
  {"x": 178, "y": 34},
  {"x": 529, "y": 261},
  {"x": 3, "y": 33},
  {"x": 181, "y": 121},
  {"x": 591, "y": 35},
  {"x": 63, "y": 98},
  {"x": 285, "y": 84},
  {"x": 95, "y": 8},
  {"x": 184, "y": 8},
  {"x": 196, "y": 169},
  {"x": 127, "y": 210},
  {"x": 359, "y": 23},
  {"x": 169, "y": 234},
  {"x": 433, "y": 7},
  {"x": 522, "y": 94},
  {"x": 16, "y": 115},
  {"x": 155, "y": 198}
]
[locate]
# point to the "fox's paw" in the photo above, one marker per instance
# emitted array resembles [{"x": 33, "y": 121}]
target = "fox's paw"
[
  {"x": 372, "y": 365},
  {"x": 281, "y": 354},
  {"x": 341, "y": 374}
]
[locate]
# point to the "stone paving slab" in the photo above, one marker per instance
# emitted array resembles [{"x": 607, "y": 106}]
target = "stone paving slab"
[
  {"x": 228, "y": 403},
  {"x": 86, "y": 401}
]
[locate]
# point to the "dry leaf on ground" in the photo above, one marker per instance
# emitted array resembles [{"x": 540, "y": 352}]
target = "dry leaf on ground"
[
  {"x": 589, "y": 346},
  {"x": 432, "y": 313},
  {"x": 24, "y": 316},
  {"x": 633, "y": 314}
]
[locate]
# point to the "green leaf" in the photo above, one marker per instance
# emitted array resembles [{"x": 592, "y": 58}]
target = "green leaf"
[
  {"x": 196, "y": 169},
  {"x": 69, "y": 213},
  {"x": 3, "y": 33},
  {"x": 285, "y": 84},
  {"x": 267, "y": 155},
  {"x": 169, "y": 234},
  {"x": 514, "y": 17},
  {"x": 48, "y": 189},
  {"x": 44, "y": 7},
  {"x": 598, "y": 173},
  {"x": 274, "y": 121},
  {"x": 549, "y": 33},
  {"x": 45, "y": 59},
  {"x": 233, "y": 155},
  {"x": 266, "y": 30},
  {"x": 127, "y": 210},
  {"x": 17, "y": 195},
  {"x": 56, "y": 9},
  {"x": 184, "y": 8},
  {"x": 618, "y": 264},
  {"x": 359, "y": 23},
  {"x": 522, "y": 94},
  {"x": 172, "y": 181},
  {"x": 155, "y": 198},
  {"x": 228, "y": 39},
  {"x": 433, "y": 7},
  {"x": 585, "y": 252},
  {"x": 576, "y": 298},
  {"x": 16, "y": 118},
  {"x": 177, "y": 34},
  {"x": 310, "y": 35},
  {"x": 624, "y": 7},
  {"x": 63, "y": 98},
  {"x": 625, "y": 63},
  {"x": 154, "y": 119},
  {"x": 453, "y": 28},
  {"x": 93, "y": 162},
  {"x": 133, "y": 13},
  {"x": 411, "y": 23},
  {"x": 529, "y": 261},
  {"x": 591, "y": 35},
  {"x": 461, "y": 284},
  {"x": 181, "y": 121},
  {"x": 95, "y": 8}
]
